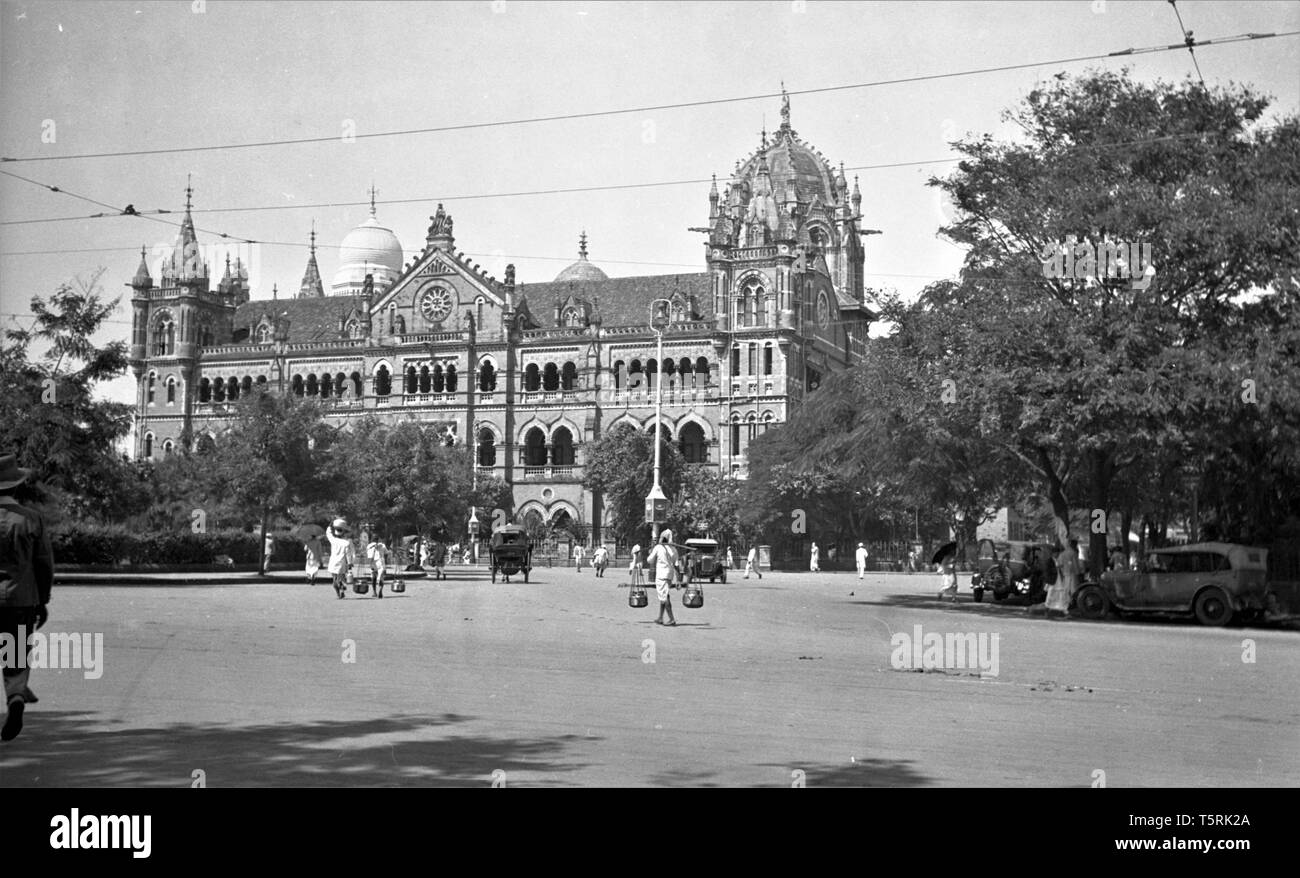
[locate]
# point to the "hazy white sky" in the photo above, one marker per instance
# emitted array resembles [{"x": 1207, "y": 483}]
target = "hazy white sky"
[{"x": 133, "y": 76}]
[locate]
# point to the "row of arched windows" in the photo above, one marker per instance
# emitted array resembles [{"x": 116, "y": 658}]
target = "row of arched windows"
[
  {"x": 751, "y": 304},
  {"x": 164, "y": 337},
  {"x": 681, "y": 372},
  {"x": 560, "y": 451},
  {"x": 437, "y": 380},
  {"x": 550, "y": 377},
  {"x": 168, "y": 447},
  {"x": 327, "y": 386},
  {"x": 748, "y": 429},
  {"x": 151, "y": 390}
]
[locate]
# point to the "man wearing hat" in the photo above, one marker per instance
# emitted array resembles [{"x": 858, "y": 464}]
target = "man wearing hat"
[
  {"x": 663, "y": 560},
  {"x": 862, "y": 555},
  {"x": 26, "y": 576},
  {"x": 342, "y": 555}
]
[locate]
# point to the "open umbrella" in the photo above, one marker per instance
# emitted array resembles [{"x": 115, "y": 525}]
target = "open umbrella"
[
  {"x": 307, "y": 531},
  {"x": 944, "y": 551}
]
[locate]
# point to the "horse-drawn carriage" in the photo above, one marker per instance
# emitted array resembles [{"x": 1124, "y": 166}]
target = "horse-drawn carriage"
[{"x": 510, "y": 552}]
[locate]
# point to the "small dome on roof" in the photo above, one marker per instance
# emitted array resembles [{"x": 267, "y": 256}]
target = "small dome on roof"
[{"x": 582, "y": 270}]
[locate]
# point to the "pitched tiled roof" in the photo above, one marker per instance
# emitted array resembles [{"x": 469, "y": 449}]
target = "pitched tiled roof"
[
  {"x": 622, "y": 301},
  {"x": 309, "y": 319}
]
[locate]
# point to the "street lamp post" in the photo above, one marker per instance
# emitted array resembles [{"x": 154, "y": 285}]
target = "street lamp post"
[
  {"x": 473, "y": 534},
  {"x": 656, "y": 501}
]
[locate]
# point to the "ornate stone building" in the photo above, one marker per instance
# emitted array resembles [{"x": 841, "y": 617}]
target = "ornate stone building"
[{"x": 531, "y": 374}]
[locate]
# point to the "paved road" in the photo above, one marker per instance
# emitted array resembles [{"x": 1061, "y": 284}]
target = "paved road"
[{"x": 774, "y": 681}]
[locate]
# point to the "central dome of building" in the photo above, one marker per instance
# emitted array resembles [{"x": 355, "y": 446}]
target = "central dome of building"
[
  {"x": 582, "y": 270},
  {"x": 370, "y": 248}
]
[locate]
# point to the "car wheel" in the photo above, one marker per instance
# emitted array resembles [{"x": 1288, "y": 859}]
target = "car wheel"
[
  {"x": 1213, "y": 607},
  {"x": 1092, "y": 602},
  {"x": 978, "y": 594}
]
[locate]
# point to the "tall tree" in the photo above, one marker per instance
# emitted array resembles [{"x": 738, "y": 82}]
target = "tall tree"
[{"x": 621, "y": 466}]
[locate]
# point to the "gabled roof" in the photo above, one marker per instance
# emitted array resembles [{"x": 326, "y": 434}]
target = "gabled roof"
[
  {"x": 621, "y": 301},
  {"x": 309, "y": 319}
]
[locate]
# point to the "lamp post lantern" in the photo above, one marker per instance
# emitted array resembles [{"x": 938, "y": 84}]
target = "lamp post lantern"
[
  {"x": 656, "y": 503},
  {"x": 473, "y": 534}
]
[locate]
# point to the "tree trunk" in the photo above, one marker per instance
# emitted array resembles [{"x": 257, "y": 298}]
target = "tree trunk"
[
  {"x": 1056, "y": 496},
  {"x": 1126, "y": 524},
  {"x": 1102, "y": 470},
  {"x": 261, "y": 544}
]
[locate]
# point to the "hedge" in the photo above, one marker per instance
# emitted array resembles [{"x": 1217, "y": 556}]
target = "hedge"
[{"x": 112, "y": 545}]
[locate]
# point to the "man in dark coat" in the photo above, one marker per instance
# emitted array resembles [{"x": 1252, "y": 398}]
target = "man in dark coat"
[{"x": 26, "y": 577}]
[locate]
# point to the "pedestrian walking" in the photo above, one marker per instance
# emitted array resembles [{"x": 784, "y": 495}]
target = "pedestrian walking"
[
  {"x": 437, "y": 556},
  {"x": 731, "y": 561},
  {"x": 268, "y": 549},
  {"x": 663, "y": 560},
  {"x": 600, "y": 560},
  {"x": 861, "y": 556},
  {"x": 342, "y": 556},
  {"x": 830, "y": 556},
  {"x": 1062, "y": 591},
  {"x": 312, "y": 547},
  {"x": 636, "y": 563},
  {"x": 377, "y": 555},
  {"x": 814, "y": 562},
  {"x": 751, "y": 563},
  {"x": 948, "y": 578},
  {"x": 26, "y": 578},
  {"x": 578, "y": 556}
]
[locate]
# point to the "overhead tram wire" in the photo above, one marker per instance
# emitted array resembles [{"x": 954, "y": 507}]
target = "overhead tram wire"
[
  {"x": 555, "y": 191},
  {"x": 595, "y": 114}
]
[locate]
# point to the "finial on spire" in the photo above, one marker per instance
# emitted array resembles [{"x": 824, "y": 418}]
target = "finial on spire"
[
  {"x": 762, "y": 135},
  {"x": 313, "y": 238},
  {"x": 785, "y": 107},
  {"x": 373, "y": 193},
  {"x": 189, "y": 191},
  {"x": 582, "y": 245}
]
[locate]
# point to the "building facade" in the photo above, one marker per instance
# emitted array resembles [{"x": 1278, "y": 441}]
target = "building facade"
[{"x": 530, "y": 374}]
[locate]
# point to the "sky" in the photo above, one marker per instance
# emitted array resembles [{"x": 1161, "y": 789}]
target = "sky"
[{"x": 86, "y": 77}]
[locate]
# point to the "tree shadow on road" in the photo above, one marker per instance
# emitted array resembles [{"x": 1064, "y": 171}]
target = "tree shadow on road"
[
  {"x": 74, "y": 749},
  {"x": 863, "y": 773}
]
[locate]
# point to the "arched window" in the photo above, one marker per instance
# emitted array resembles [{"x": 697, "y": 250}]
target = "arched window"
[
  {"x": 487, "y": 448},
  {"x": 261, "y": 383},
  {"x": 424, "y": 379},
  {"x": 751, "y": 429},
  {"x": 478, "y": 315},
  {"x": 753, "y": 359},
  {"x": 735, "y": 361},
  {"x": 735, "y": 434},
  {"x": 340, "y": 384},
  {"x": 550, "y": 377},
  {"x": 153, "y": 380},
  {"x": 205, "y": 390},
  {"x": 355, "y": 378},
  {"x": 670, "y": 373},
  {"x": 665, "y": 435},
  {"x": 692, "y": 443},
  {"x": 313, "y": 388},
  {"x": 392, "y": 318},
  {"x": 438, "y": 383},
  {"x": 532, "y": 377},
  {"x": 326, "y": 385},
  {"x": 412, "y": 381},
  {"x": 562, "y": 447},
  {"x": 570, "y": 317},
  {"x": 353, "y": 329},
  {"x": 619, "y": 366},
  {"x": 651, "y": 374},
  {"x": 751, "y": 303},
  {"x": 295, "y": 386},
  {"x": 148, "y": 445},
  {"x": 686, "y": 373},
  {"x": 204, "y": 444},
  {"x": 767, "y": 359},
  {"x": 451, "y": 377},
  {"x": 164, "y": 337},
  {"x": 219, "y": 390},
  {"x": 264, "y": 334},
  {"x": 383, "y": 382},
  {"x": 569, "y": 376},
  {"x": 171, "y": 391},
  {"x": 167, "y": 448},
  {"x": 487, "y": 376},
  {"x": 768, "y": 421},
  {"x": 535, "y": 448},
  {"x": 635, "y": 377},
  {"x": 702, "y": 371},
  {"x": 246, "y": 386}
]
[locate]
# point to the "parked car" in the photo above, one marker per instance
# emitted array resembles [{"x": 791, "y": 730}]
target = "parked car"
[
  {"x": 1013, "y": 568},
  {"x": 1214, "y": 581},
  {"x": 510, "y": 552}
]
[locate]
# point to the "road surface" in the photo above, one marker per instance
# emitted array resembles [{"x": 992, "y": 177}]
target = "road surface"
[{"x": 786, "y": 680}]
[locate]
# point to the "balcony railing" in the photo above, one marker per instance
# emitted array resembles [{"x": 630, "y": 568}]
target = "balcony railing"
[
  {"x": 563, "y": 471},
  {"x": 486, "y": 396}
]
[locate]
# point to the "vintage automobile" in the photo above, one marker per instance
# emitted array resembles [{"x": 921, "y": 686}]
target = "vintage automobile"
[
  {"x": 510, "y": 552},
  {"x": 1214, "y": 581},
  {"x": 1013, "y": 568},
  {"x": 704, "y": 561}
]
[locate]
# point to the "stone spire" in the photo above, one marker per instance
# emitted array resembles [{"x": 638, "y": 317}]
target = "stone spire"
[
  {"x": 184, "y": 262},
  {"x": 142, "y": 280},
  {"x": 713, "y": 199},
  {"x": 857, "y": 198},
  {"x": 312, "y": 288}
]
